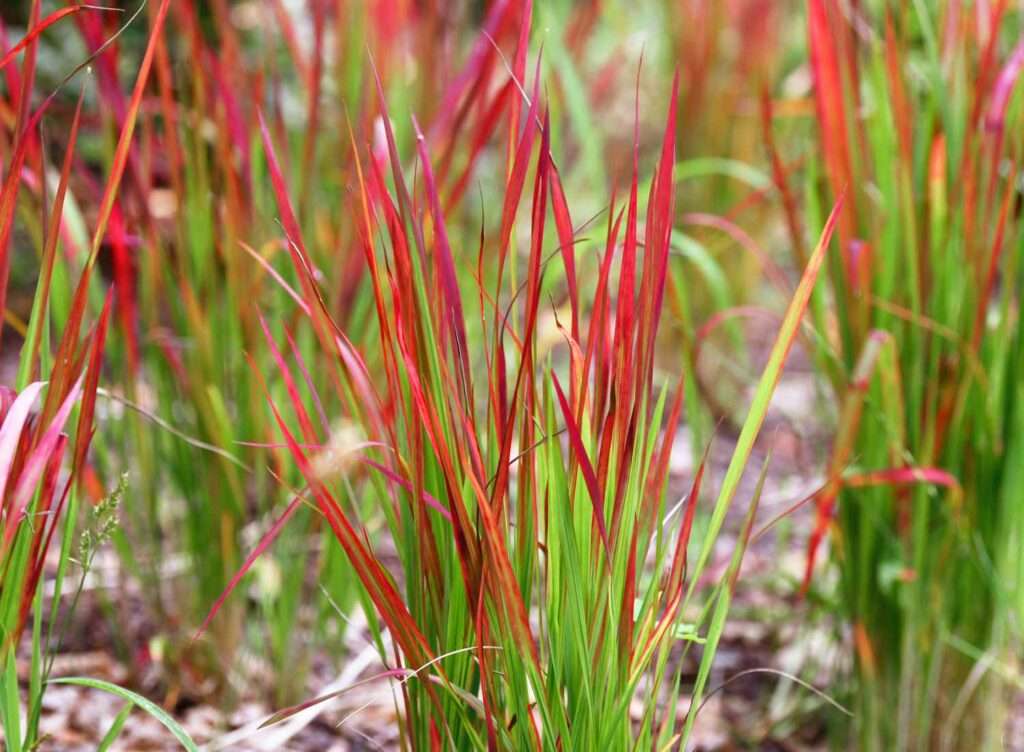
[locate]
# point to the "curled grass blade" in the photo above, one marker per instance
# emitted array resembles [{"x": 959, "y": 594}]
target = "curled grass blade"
[{"x": 148, "y": 706}]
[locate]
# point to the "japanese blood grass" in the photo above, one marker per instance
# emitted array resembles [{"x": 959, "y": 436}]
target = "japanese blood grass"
[
  {"x": 40, "y": 503},
  {"x": 43, "y": 452},
  {"x": 918, "y": 116},
  {"x": 55, "y": 225},
  {"x": 544, "y": 583},
  {"x": 194, "y": 217}
]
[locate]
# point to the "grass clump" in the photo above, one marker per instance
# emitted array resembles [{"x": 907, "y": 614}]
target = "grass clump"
[
  {"x": 540, "y": 581},
  {"x": 918, "y": 119}
]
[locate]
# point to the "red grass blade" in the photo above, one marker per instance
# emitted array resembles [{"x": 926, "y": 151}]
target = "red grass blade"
[
  {"x": 589, "y": 477},
  {"x": 92, "y": 378},
  {"x": 901, "y": 476},
  {"x": 43, "y": 25},
  {"x": 284, "y": 204},
  {"x": 394, "y": 477},
  {"x": 35, "y": 463},
  {"x": 566, "y": 241},
  {"x": 482, "y": 52},
  {"x": 830, "y": 103},
  {"x": 445, "y": 265},
  {"x": 264, "y": 543}
]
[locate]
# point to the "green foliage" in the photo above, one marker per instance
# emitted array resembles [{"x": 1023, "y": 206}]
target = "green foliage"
[{"x": 923, "y": 128}]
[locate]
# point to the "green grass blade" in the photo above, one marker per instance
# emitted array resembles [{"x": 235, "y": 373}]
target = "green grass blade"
[
  {"x": 762, "y": 397},
  {"x": 139, "y": 701},
  {"x": 115, "y": 728}
]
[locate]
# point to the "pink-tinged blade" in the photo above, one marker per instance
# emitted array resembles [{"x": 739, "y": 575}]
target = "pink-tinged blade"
[
  {"x": 858, "y": 265},
  {"x": 404, "y": 201},
  {"x": 10, "y": 431},
  {"x": 106, "y": 63},
  {"x": 47, "y": 489},
  {"x": 516, "y": 180},
  {"x": 539, "y": 214},
  {"x": 42, "y": 531},
  {"x": 361, "y": 383},
  {"x": 394, "y": 477},
  {"x": 995, "y": 119},
  {"x": 900, "y": 476},
  {"x": 36, "y": 462}
]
